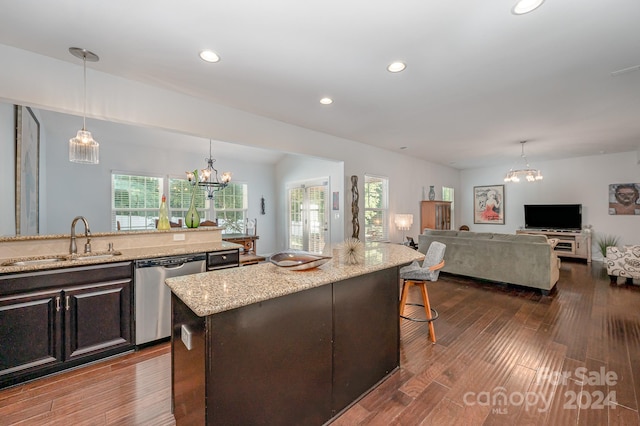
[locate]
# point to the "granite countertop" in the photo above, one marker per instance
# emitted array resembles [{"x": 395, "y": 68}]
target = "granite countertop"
[
  {"x": 217, "y": 291},
  {"x": 124, "y": 255},
  {"x": 7, "y": 238}
]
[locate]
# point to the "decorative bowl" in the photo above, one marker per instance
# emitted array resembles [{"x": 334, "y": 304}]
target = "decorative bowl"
[{"x": 295, "y": 260}]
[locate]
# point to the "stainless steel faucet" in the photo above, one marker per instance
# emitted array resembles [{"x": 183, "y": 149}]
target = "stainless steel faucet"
[{"x": 73, "y": 249}]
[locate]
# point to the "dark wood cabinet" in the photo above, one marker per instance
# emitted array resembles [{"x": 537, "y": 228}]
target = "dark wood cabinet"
[
  {"x": 30, "y": 330},
  {"x": 97, "y": 318},
  {"x": 53, "y": 320}
]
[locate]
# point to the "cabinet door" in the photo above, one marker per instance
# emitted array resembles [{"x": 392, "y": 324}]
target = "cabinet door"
[
  {"x": 30, "y": 330},
  {"x": 366, "y": 334},
  {"x": 97, "y": 318}
]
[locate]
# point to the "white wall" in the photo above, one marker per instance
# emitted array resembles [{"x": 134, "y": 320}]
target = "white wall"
[
  {"x": 40, "y": 81},
  {"x": 582, "y": 180}
]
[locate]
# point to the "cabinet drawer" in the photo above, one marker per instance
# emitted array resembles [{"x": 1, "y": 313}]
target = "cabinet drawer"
[{"x": 223, "y": 259}]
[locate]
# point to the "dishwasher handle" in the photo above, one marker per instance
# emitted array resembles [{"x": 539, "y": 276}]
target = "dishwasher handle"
[{"x": 175, "y": 266}]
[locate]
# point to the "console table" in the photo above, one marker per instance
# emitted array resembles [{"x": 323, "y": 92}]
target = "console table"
[
  {"x": 245, "y": 240},
  {"x": 573, "y": 244},
  {"x": 248, "y": 255}
]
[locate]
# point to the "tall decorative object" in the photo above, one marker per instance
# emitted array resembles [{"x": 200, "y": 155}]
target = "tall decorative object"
[
  {"x": 355, "y": 196},
  {"x": 192, "y": 218},
  {"x": 432, "y": 193}
]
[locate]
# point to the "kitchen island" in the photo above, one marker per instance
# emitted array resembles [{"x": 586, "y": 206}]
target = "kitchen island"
[{"x": 266, "y": 345}]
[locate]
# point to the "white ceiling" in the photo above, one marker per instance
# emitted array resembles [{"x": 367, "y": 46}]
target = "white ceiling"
[{"x": 478, "y": 80}]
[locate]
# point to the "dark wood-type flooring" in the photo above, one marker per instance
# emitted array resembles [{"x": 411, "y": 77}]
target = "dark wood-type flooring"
[{"x": 503, "y": 356}]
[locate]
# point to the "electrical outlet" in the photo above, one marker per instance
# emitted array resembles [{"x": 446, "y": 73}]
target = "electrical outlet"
[
  {"x": 185, "y": 335},
  {"x": 178, "y": 237}
]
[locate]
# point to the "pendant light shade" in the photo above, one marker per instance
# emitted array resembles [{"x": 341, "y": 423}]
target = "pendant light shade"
[{"x": 83, "y": 148}]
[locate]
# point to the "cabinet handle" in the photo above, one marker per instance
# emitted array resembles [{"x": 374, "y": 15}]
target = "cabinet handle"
[
  {"x": 68, "y": 306},
  {"x": 57, "y": 303},
  {"x": 224, "y": 257}
]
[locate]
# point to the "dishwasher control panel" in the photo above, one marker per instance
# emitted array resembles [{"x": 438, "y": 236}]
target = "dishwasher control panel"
[{"x": 223, "y": 259}]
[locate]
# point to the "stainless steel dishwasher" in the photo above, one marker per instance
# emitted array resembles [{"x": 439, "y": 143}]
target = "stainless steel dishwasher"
[{"x": 153, "y": 297}]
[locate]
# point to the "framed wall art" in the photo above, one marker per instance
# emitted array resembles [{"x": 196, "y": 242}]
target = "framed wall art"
[
  {"x": 488, "y": 204},
  {"x": 27, "y": 171},
  {"x": 624, "y": 198}
]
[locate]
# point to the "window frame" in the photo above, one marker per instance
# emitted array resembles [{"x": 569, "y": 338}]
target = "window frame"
[
  {"x": 207, "y": 211},
  {"x": 381, "y": 234}
]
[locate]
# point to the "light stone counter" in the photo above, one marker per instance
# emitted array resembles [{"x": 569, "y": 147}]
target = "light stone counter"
[
  {"x": 217, "y": 291},
  {"x": 132, "y": 245}
]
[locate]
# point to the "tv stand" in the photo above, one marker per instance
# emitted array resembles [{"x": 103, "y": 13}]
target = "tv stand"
[{"x": 570, "y": 243}]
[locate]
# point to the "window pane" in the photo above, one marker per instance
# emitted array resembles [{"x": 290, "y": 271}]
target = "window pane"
[
  {"x": 376, "y": 210},
  {"x": 296, "y": 225},
  {"x": 230, "y": 205},
  {"x": 135, "y": 201}
]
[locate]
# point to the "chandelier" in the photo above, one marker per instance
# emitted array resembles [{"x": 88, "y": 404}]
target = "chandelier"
[
  {"x": 208, "y": 178},
  {"x": 83, "y": 148},
  {"x": 531, "y": 175}
]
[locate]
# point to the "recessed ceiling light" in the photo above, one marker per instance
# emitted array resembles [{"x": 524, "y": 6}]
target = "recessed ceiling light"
[
  {"x": 326, "y": 101},
  {"x": 526, "y": 6},
  {"x": 209, "y": 56},
  {"x": 396, "y": 67}
]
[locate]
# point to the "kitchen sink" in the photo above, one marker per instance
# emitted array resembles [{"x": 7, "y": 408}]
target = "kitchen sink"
[
  {"x": 92, "y": 256},
  {"x": 39, "y": 260},
  {"x": 35, "y": 261}
]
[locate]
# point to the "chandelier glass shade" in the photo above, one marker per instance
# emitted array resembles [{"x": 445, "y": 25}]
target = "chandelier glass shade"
[
  {"x": 526, "y": 172},
  {"x": 208, "y": 178},
  {"x": 83, "y": 148}
]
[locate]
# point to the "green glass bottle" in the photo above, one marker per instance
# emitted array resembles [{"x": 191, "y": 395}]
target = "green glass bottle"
[
  {"x": 163, "y": 217},
  {"x": 192, "y": 218}
]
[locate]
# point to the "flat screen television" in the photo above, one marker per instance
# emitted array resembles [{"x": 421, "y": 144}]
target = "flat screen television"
[{"x": 554, "y": 217}]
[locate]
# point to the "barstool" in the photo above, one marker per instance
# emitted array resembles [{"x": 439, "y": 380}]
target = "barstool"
[{"x": 416, "y": 275}]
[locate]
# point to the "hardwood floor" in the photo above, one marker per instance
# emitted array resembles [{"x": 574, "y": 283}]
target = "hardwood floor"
[{"x": 503, "y": 356}]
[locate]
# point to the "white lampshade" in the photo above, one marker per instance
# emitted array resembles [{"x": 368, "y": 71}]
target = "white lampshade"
[
  {"x": 403, "y": 221},
  {"x": 84, "y": 149}
]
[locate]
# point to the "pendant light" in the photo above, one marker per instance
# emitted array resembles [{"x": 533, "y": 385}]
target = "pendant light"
[
  {"x": 83, "y": 148},
  {"x": 527, "y": 172},
  {"x": 208, "y": 178}
]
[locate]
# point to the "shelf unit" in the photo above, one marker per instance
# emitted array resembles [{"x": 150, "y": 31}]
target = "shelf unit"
[
  {"x": 573, "y": 244},
  {"x": 435, "y": 215}
]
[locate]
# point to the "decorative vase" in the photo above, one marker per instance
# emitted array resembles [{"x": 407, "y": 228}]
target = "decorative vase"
[
  {"x": 192, "y": 218},
  {"x": 432, "y": 193}
]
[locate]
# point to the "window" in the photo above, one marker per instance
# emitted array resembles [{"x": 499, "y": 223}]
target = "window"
[
  {"x": 376, "y": 209},
  {"x": 136, "y": 201},
  {"x": 447, "y": 195},
  {"x": 230, "y": 208}
]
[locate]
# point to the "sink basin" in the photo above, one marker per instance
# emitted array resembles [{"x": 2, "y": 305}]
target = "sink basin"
[
  {"x": 40, "y": 260},
  {"x": 97, "y": 255},
  {"x": 36, "y": 261}
]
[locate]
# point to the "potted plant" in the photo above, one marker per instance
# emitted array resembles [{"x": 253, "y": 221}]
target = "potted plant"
[{"x": 605, "y": 241}]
